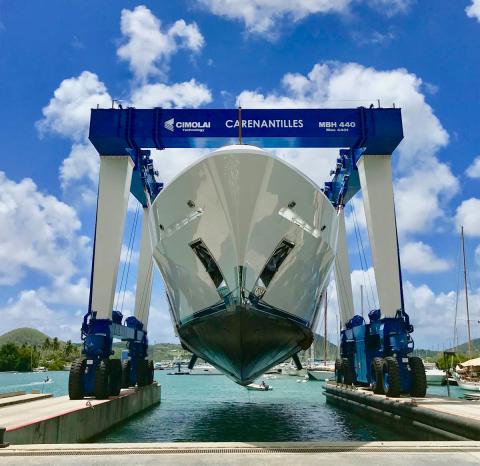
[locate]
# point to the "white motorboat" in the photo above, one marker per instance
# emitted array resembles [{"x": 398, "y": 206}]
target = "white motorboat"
[
  {"x": 245, "y": 244},
  {"x": 204, "y": 369},
  {"x": 434, "y": 375}
]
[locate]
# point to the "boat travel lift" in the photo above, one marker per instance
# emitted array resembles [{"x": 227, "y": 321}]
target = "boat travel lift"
[{"x": 373, "y": 353}]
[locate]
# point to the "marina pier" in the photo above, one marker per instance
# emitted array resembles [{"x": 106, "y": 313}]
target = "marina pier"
[
  {"x": 433, "y": 417},
  {"x": 31, "y": 419}
]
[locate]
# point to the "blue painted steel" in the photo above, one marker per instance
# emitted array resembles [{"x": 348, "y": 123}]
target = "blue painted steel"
[
  {"x": 345, "y": 182},
  {"x": 144, "y": 182},
  {"x": 360, "y": 131},
  {"x": 98, "y": 335},
  {"x": 390, "y": 336},
  {"x": 113, "y": 131}
]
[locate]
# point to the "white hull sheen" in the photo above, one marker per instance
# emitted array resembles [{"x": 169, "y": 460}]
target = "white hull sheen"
[
  {"x": 435, "y": 376},
  {"x": 245, "y": 244}
]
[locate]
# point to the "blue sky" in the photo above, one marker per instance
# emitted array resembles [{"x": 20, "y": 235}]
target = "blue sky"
[{"x": 58, "y": 59}]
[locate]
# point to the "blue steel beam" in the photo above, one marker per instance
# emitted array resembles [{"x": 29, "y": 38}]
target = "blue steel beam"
[{"x": 114, "y": 131}]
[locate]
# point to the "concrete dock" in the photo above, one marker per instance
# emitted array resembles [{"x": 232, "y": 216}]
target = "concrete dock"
[
  {"x": 244, "y": 454},
  {"x": 33, "y": 419},
  {"x": 433, "y": 417}
]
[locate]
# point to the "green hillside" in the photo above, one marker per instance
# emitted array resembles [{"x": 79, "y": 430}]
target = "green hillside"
[
  {"x": 331, "y": 348},
  {"x": 25, "y": 335},
  {"x": 464, "y": 348},
  {"x": 158, "y": 352}
]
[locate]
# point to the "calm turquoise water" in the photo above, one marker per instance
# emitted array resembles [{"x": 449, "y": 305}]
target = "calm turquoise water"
[{"x": 214, "y": 409}]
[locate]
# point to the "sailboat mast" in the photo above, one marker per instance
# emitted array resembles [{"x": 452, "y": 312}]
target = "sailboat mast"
[
  {"x": 325, "y": 329},
  {"x": 466, "y": 293}
]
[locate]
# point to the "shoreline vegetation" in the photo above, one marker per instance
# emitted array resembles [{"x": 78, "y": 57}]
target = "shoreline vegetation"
[
  {"x": 24, "y": 349},
  {"x": 52, "y": 354}
]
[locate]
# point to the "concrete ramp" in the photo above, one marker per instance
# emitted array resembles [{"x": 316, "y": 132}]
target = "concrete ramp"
[{"x": 61, "y": 420}]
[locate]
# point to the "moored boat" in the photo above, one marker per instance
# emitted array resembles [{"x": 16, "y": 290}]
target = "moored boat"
[
  {"x": 434, "y": 375},
  {"x": 259, "y": 387},
  {"x": 467, "y": 374}
]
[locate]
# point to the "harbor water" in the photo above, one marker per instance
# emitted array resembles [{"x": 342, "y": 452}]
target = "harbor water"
[{"x": 211, "y": 408}]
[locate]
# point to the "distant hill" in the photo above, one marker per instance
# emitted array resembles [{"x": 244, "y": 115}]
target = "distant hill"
[
  {"x": 464, "y": 348},
  {"x": 319, "y": 343},
  {"x": 19, "y": 336}
]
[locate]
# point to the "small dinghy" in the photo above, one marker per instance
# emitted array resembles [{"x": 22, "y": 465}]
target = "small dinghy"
[{"x": 263, "y": 387}]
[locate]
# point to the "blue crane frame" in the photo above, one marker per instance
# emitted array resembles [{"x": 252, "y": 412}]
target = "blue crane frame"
[
  {"x": 356, "y": 131},
  {"x": 375, "y": 131}
]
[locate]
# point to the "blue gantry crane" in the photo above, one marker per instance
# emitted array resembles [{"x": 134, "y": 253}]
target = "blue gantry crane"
[{"x": 375, "y": 353}]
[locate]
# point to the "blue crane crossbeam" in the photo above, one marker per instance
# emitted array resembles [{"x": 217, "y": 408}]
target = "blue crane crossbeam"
[{"x": 114, "y": 131}]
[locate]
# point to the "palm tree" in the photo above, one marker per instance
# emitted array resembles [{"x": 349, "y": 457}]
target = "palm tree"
[
  {"x": 68, "y": 348},
  {"x": 46, "y": 344},
  {"x": 56, "y": 344}
]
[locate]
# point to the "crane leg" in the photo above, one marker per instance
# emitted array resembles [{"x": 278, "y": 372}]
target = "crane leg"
[
  {"x": 140, "y": 370},
  {"x": 96, "y": 374},
  {"x": 343, "y": 281},
  {"x": 375, "y": 174}
]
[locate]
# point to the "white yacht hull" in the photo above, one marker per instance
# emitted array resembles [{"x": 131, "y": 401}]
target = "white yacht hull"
[{"x": 245, "y": 244}]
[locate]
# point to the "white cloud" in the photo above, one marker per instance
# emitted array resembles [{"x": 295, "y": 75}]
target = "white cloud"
[
  {"x": 37, "y": 232},
  {"x": 418, "y": 257},
  {"x": 477, "y": 254},
  {"x": 29, "y": 309},
  {"x": 66, "y": 293},
  {"x": 148, "y": 49},
  {"x": 420, "y": 198},
  {"x": 427, "y": 310},
  {"x": 68, "y": 112},
  {"x": 334, "y": 84},
  {"x": 127, "y": 255},
  {"x": 82, "y": 162},
  {"x": 473, "y": 171},
  {"x": 473, "y": 10},
  {"x": 170, "y": 162},
  {"x": 266, "y": 16},
  {"x": 468, "y": 215},
  {"x": 179, "y": 95}
]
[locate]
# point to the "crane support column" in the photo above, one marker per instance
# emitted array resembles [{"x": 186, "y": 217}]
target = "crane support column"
[
  {"x": 113, "y": 193},
  {"x": 343, "y": 281},
  {"x": 375, "y": 174},
  {"x": 145, "y": 273},
  {"x": 136, "y": 368}
]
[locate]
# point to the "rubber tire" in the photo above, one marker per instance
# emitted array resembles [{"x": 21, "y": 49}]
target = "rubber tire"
[
  {"x": 348, "y": 372},
  {"x": 75, "y": 379},
  {"x": 126, "y": 373},
  {"x": 151, "y": 373},
  {"x": 391, "y": 384},
  {"x": 376, "y": 371},
  {"x": 418, "y": 388},
  {"x": 338, "y": 371},
  {"x": 142, "y": 373},
  {"x": 102, "y": 380},
  {"x": 115, "y": 376}
]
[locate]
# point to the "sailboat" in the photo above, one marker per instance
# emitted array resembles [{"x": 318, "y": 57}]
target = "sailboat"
[
  {"x": 324, "y": 371},
  {"x": 467, "y": 374}
]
